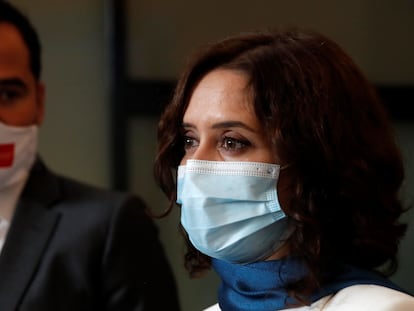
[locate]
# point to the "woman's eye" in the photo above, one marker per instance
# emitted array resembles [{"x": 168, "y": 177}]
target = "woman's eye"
[
  {"x": 233, "y": 144},
  {"x": 189, "y": 142}
]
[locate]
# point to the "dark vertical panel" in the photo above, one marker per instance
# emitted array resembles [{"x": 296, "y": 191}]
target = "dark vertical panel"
[
  {"x": 399, "y": 100},
  {"x": 116, "y": 31}
]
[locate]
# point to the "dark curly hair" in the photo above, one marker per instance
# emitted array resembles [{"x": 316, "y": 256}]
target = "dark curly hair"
[{"x": 326, "y": 120}]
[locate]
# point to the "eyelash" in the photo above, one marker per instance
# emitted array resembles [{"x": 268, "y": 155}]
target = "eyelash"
[
  {"x": 225, "y": 143},
  {"x": 239, "y": 144}
]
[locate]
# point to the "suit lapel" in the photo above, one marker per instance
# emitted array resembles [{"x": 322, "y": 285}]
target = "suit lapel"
[{"x": 31, "y": 228}]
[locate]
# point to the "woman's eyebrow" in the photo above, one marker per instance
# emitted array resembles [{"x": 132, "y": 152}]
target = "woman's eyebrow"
[
  {"x": 227, "y": 124},
  {"x": 224, "y": 124},
  {"x": 187, "y": 125}
]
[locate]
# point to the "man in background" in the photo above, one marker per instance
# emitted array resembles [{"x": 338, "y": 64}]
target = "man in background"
[{"x": 64, "y": 245}]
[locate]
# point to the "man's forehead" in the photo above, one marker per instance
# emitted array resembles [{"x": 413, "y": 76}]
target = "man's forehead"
[
  {"x": 12, "y": 45},
  {"x": 14, "y": 55}
]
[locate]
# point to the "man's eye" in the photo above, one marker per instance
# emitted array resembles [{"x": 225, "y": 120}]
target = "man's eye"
[
  {"x": 7, "y": 96},
  {"x": 232, "y": 144}
]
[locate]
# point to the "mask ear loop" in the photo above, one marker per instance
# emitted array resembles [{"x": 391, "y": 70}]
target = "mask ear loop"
[
  {"x": 290, "y": 229},
  {"x": 283, "y": 167}
]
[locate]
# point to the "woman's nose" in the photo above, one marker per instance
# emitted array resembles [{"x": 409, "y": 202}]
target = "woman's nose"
[{"x": 206, "y": 152}]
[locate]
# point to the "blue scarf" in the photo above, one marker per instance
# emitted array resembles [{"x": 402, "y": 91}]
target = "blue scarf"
[{"x": 260, "y": 286}]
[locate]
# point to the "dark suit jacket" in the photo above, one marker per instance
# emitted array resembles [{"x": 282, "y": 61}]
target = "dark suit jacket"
[{"x": 74, "y": 247}]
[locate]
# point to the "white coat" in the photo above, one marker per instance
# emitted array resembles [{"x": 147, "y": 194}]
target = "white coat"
[{"x": 356, "y": 298}]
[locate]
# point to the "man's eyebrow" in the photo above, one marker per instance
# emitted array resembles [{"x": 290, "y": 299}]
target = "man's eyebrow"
[
  {"x": 13, "y": 82},
  {"x": 224, "y": 124}
]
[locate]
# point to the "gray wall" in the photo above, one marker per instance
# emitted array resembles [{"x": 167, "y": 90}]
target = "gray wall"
[{"x": 75, "y": 135}]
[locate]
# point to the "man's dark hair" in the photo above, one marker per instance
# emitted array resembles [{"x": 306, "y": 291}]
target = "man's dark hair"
[{"x": 11, "y": 15}]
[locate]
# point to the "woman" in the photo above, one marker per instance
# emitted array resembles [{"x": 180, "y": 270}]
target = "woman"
[{"x": 288, "y": 175}]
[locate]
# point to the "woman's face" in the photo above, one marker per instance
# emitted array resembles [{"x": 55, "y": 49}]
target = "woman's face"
[{"x": 220, "y": 123}]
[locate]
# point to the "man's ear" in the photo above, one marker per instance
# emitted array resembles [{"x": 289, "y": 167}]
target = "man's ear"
[{"x": 41, "y": 94}]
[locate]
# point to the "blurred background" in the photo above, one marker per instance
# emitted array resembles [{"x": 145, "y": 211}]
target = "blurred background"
[{"x": 83, "y": 86}]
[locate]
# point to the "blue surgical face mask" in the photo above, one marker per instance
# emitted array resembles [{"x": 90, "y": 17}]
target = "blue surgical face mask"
[{"x": 231, "y": 210}]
